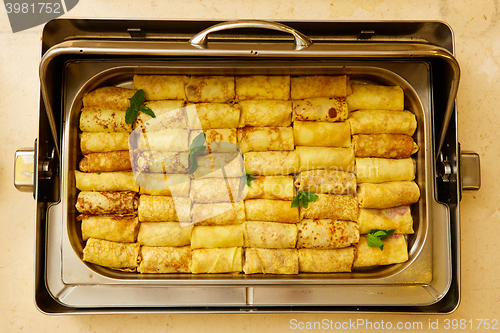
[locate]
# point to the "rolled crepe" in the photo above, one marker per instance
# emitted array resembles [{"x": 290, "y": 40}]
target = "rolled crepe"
[
  {"x": 326, "y": 181},
  {"x": 271, "y": 261},
  {"x": 175, "y": 185},
  {"x": 202, "y": 89},
  {"x": 173, "y": 139},
  {"x": 265, "y": 113},
  {"x": 327, "y": 158},
  {"x": 326, "y": 234},
  {"x": 375, "y": 97},
  {"x": 164, "y": 234},
  {"x": 270, "y": 235},
  {"x": 271, "y": 187},
  {"x": 218, "y": 260},
  {"x": 169, "y": 114},
  {"x": 387, "y": 195},
  {"x": 106, "y": 181},
  {"x": 109, "y": 97},
  {"x": 160, "y": 208},
  {"x": 260, "y": 87},
  {"x": 112, "y": 228},
  {"x": 265, "y": 138},
  {"x": 219, "y": 165},
  {"x": 208, "y": 237},
  {"x": 112, "y": 254},
  {"x": 395, "y": 250},
  {"x": 94, "y": 203},
  {"x": 106, "y": 162},
  {"x": 335, "y": 207},
  {"x": 322, "y": 134},
  {"x": 100, "y": 142},
  {"x": 271, "y": 210},
  {"x": 303, "y": 87},
  {"x": 213, "y": 115},
  {"x": 97, "y": 119},
  {"x": 221, "y": 140},
  {"x": 320, "y": 109},
  {"x": 326, "y": 261},
  {"x": 165, "y": 259},
  {"x": 382, "y": 121},
  {"x": 398, "y": 218},
  {"x": 218, "y": 214},
  {"x": 162, "y": 162},
  {"x": 384, "y": 145},
  {"x": 213, "y": 190},
  {"x": 271, "y": 163},
  {"x": 161, "y": 86},
  {"x": 380, "y": 170}
]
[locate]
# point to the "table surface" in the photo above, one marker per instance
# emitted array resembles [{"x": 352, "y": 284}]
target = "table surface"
[{"x": 477, "y": 38}]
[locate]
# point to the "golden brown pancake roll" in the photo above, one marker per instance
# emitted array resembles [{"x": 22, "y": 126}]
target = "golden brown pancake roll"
[
  {"x": 271, "y": 163},
  {"x": 375, "y": 97},
  {"x": 303, "y": 87},
  {"x": 213, "y": 190},
  {"x": 106, "y": 162},
  {"x": 100, "y": 142},
  {"x": 160, "y": 208},
  {"x": 109, "y": 97},
  {"x": 398, "y": 218},
  {"x": 202, "y": 89},
  {"x": 173, "y": 139},
  {"x": 387, "y": 195},
  {"x": 270, "y": 235},
  {"x": 175, "y": 185},
  {"x": 169, "y": 114},
  {"x": 260, "y": 87},
  {"x": 265, "y": 113},
  {"x": 93, "y": 203},
  {"x": 223, "y": 213},
  {"x": 331, "y": 206},
  {"x": 271, "y": 187},
  {"x": 97, "y": 119},
  {"x": 326, "y": 181},
  {"x": 380, "y": 170},
  {"x": 106, "y": 181},
  {"x": 271, "y": 210},
  {"x": 325, "y": 158},
  {"x": 165, "y": 259},
  {"x": 320, "y": 109},
  {"x": 116, "y": 228},
  {"x": 326, "y": 261},
  {"x": 213, "y": 115},
  {"x": 164, "y": 234},
  {"x": 158, "y": 87},
  {"x": 322, "y": 134},
  {"x": 326, "y": 234},
  {"x": 217, "y": 260},
  {"x": 222, "y": 140},
  {"x": 384, "y": 145},
  {"x": 219, "y": 165},
  {"x": 271, "y": 261},
  {"x": 162, "y": 162},
  {"x": 395, "y": 251},
  {"x": 382, "y": 121},
  {"x": 123, "y": 256},
  {"x": 265, "y": 138},
  {"x": 209, "y": 237}
]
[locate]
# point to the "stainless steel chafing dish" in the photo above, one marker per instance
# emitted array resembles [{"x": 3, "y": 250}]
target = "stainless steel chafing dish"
[{"x": 81, "y": 55}]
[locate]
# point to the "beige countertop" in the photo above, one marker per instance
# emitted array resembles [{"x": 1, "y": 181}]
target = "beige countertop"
[{"x": 477, "y": 36}]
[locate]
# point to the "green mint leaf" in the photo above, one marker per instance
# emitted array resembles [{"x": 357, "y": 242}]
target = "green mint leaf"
[
  {"x": 373, "y": 240},
  {"x": 196, "y": 149},
  {"x": 198, "y": 141},
  {"x": 193, "y": 163},
  {"x": 248, "y": 178},
  {"x": 304, "y": 198},
  {"x": 311, "y": 196},
  {"x": 304, "y": 201},
  {"x": 144, "y": 109},
  {"x": 295, "y": 201},
  {"x": 138, "y": 99},
  {"x": 130, "y": 115}
]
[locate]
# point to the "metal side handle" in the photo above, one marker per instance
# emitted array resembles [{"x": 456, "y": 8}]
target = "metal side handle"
[
  {"x": 301, "y": 41},
  {"x": 470, "y": 171},
  {"x": 24, "y": 169}
]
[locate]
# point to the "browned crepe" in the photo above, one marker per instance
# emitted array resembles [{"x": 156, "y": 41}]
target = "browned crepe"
[
  {"x": 270, "y": 235},
  {"x": 384, "y": 145},
  {"x": 271, "y": 261},
  {"x": 382, "y": 121},
  {"x": 217, "y": 260},
  {"x": 112, "y": 254},
  {"x": 271, "y": 210},
  {"x": 271, "y": 187},
  {"x": 265, "y": 138},
  {"x": 110, "y": 227},
  {"x": 202, "y": 89},
  {"x": 326, "y": 181},
  {"x": 326, "y": 261},
  {"x": 158, "y": 87},
  {"x": 397, "y": 218},
  {"x": 322, "y": 134},
  {"x": 106, "y": 181},
  {"x": 375, "y": 97},
  {"x": 387, "y": 195},
  {"x": 303, "y": 87},
  {"x": 159, "y": 208},
  {"x": 395, "y": 250},
  {"x": 109, "y": 97},
  {"x": 265, "y": 113},
  {"x": 271, "y": 163},
  {"x": 106, "y": 162},
  {"x": 262, "y": 87},
  {"x": 330, "y": 206},
  {"x": 223, "y": 213},
  {"x": 165, "y": 259},
  {"x": 320, "y": 109},
  {"x": 326, "y": 234},
  {"x": 98, "y": 119},
  {"x": 100, "y": 142},
  {"x": 124, "y": 202}
]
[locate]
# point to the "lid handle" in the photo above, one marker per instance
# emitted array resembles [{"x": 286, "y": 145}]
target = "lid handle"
[
  {"x": 470, "y": 170},
  {"x": 301, "y": 41}
]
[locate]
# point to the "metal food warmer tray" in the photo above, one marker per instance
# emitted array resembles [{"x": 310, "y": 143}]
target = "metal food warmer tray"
[{"x": 79, "y": 55}]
